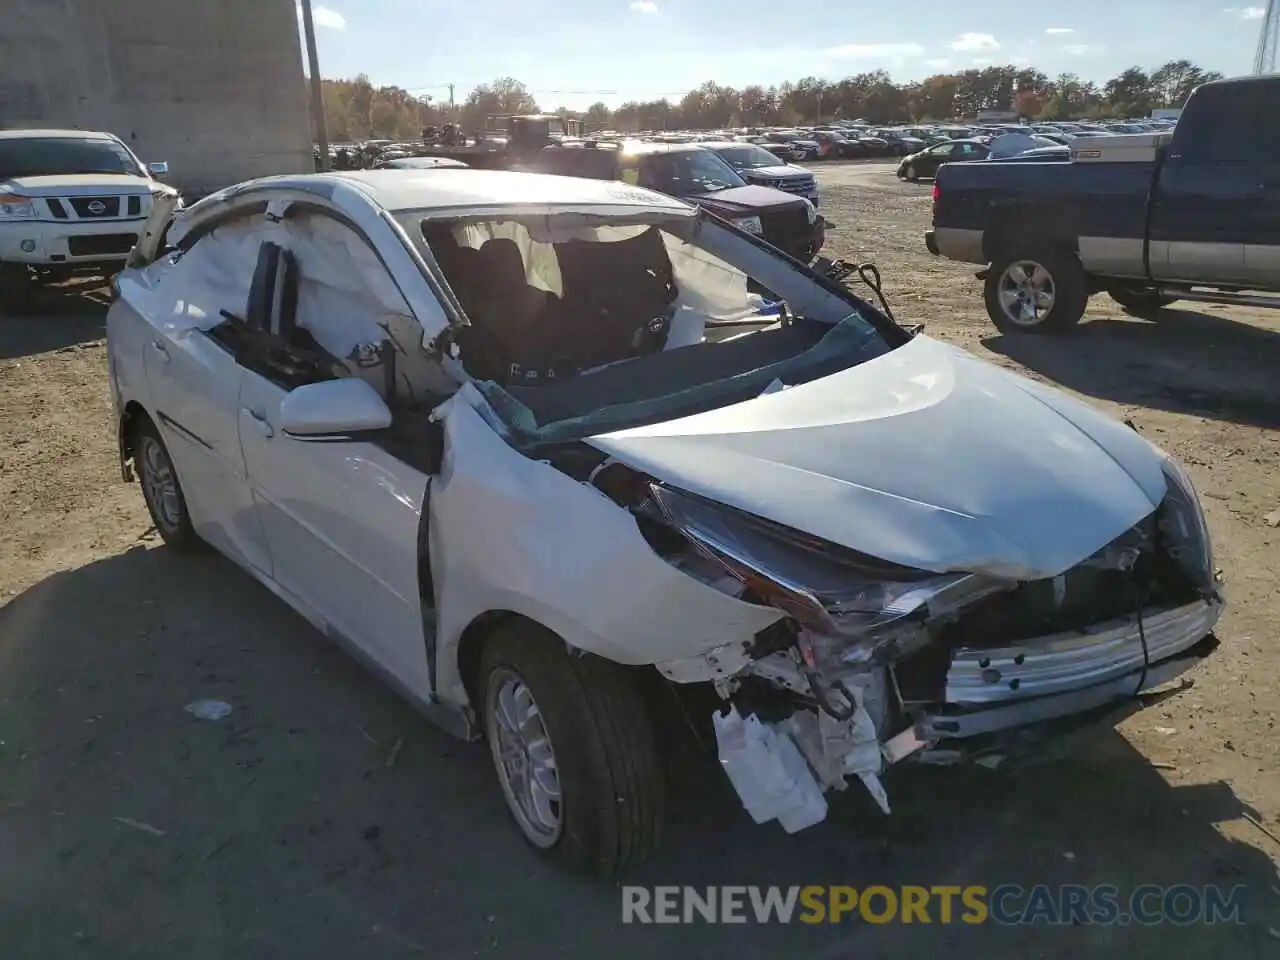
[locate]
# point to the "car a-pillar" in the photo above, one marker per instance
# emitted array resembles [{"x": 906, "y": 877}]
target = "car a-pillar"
[{"x": 573, "y": 743}]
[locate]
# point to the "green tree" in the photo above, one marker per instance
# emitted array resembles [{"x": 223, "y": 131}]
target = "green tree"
[{"x": 598, "y": 116}]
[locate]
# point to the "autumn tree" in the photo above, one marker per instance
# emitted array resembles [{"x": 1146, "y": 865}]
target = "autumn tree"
[{"x": 506, "y": 96}]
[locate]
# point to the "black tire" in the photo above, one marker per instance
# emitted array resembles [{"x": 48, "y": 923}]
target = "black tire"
[
  {"x": 1069, "y": 282},
  {"x": 1139, "y": 303},
  {"x": 602, "y": 738},
  {"x": 17, "y": 285},
  {"x": 172, "y": 520}
]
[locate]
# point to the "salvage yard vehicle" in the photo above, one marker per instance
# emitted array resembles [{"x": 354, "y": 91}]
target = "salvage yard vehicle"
[
  {"x": 926, "y": 162},
  {"x": 1149, "y": 218},
  {"x": 758, "y": 166},
  {"x": 70, "y": 201},
  {"x": 699, "y": 175},
  {"x": 479, "y": 427}
]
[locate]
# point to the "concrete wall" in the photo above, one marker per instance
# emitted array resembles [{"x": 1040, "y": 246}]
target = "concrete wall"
[{"x": 214, "y": 87}]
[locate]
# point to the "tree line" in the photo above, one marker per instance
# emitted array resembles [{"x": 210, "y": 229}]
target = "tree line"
[{"x": 357, "y": 110}]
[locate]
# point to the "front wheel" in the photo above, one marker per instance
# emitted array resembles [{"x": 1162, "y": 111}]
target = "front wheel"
[
  {"x": 574, "y": 750},
  {"x": 911, "y": 174},
  {"x": 1036, "y": 291},
  {"x": 1139, "y": 303},
  {"x": 161, "y": 490}
]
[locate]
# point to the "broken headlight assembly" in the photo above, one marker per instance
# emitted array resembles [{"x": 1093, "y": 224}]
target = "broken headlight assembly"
[
  {"x": 1184, "y": 531},
  {"x": 852, "y": 607}
]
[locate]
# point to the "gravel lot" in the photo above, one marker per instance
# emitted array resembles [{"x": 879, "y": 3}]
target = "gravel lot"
[{"x": 282, "y": 831}]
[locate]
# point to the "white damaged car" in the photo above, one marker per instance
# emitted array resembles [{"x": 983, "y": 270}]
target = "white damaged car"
[{"x": 556, "y": 456}]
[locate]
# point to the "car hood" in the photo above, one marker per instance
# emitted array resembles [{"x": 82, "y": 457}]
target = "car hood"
[
  {"x": 925, "y": 456},
  {"x": 739, "y": 201},
  {"x": 783, "y": 171},
  {"x": 83, "y": 185}
]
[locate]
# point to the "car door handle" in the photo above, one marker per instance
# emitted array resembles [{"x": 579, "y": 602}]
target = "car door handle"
[
  {"x": 259, "y": 423},
  {"x": 159, "y": 347}
]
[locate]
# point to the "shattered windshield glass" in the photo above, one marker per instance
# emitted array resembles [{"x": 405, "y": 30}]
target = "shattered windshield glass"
[{"x": 579, "y": 325}]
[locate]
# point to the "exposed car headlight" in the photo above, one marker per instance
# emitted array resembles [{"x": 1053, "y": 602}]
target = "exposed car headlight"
[
  {"x": 810, "y": 210},
  {"x": 845, "y": 598},
  {"x": 751, "y": 225},
  {"x": 15, "y": 207},
  {"x": 1184, "y": 530}
]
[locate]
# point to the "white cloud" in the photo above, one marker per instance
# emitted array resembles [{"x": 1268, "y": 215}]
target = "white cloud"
[
  {"x": 326, "y": 17},
  {"x": 981, "y": 61},
  {"x": 1059, "y": 30},
  {"x": 941, "y": 63},
  {"x": 644, "y": 6},
  {"x": 875, "y": 51},
  {"x": 975, "y": 41},
  {"x": 1253, "y": 13},
  {"x": 1078, "y": 49},
  {"x": 1021, "y": 61}
]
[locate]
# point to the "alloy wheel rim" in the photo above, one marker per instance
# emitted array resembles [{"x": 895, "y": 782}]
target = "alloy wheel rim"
[
  {"x": 1027, "y": 293},
  {"x": 160, "y": 486},
  {"x": 525, "y": 759}
]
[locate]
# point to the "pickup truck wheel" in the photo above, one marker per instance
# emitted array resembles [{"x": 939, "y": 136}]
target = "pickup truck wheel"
[
  {"x": 1140, "y": 303},
  {"x": 574, "y": 750},
  {"x": 1036, "y": 292}
]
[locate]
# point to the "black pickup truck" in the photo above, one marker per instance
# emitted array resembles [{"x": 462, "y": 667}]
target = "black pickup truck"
[{"x": 1147, "y": 218}]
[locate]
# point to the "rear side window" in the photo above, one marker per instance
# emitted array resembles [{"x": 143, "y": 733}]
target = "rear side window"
[{"x": 1236, "y": 123}]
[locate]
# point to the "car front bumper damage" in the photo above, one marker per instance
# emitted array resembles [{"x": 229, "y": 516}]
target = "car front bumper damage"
[{"x": 1017, "y": 703}]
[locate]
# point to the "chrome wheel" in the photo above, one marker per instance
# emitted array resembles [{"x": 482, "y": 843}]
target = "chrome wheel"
[
  {"x": 160, "y": 485},
  {"x": 1027, "y": 293},
  {"x": 523, "y": 754}
]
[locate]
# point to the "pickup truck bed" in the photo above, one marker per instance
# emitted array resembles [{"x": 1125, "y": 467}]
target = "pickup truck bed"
[{"x": 1148, "y": 218}]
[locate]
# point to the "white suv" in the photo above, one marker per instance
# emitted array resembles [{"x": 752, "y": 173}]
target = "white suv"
[{"x": 70, "y": 200}]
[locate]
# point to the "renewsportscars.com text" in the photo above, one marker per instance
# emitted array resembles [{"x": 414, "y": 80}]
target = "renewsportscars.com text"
[{"x": 1006, "y": 904}]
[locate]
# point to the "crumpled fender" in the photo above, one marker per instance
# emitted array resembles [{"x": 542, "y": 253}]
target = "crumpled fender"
[{"x": 512, "y": 534}]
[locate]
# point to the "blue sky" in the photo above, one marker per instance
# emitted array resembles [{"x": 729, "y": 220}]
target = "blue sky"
[{"x": 573, "y": 52}]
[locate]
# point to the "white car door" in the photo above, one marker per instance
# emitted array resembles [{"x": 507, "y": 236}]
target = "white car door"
[
  {"x": 341, "y": 517},
  {"x": 194, "y": 383}
]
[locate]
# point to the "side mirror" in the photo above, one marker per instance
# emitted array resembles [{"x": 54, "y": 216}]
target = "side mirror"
[
  {"x": 344, "y": 406},
  {"x": 159, "y": 169}
]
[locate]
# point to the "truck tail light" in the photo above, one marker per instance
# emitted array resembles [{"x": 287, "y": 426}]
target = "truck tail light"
[{"x": 937, "y": 192}]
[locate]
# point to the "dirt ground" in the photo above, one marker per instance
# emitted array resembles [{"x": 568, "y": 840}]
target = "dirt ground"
[{"x": 130, "y": 829}]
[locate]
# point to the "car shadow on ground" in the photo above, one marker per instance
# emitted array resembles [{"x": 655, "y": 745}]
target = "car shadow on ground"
[
  {"x": 324, "y": 817},
  {"x": 55, "y": 316},
  {"x": 1187, "y": 361}
]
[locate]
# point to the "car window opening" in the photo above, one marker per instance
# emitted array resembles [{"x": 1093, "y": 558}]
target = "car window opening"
[{"x": 580, "y": 327}]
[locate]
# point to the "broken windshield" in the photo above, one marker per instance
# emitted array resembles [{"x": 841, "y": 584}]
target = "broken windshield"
[{"x": 580, "y": 324}]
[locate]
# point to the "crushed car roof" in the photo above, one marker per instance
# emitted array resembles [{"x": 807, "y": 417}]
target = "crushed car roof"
[
  {"x": 404, "y": 190},
  {"x": 55, "y": 134},
  {"x": 435, "y": 189}
]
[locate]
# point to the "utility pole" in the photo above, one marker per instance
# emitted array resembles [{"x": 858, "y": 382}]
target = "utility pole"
[
  {"x": 1264, "y": 60},
  {"x": 451, "y": 110},
  {"x": 317, "y": 86}
]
